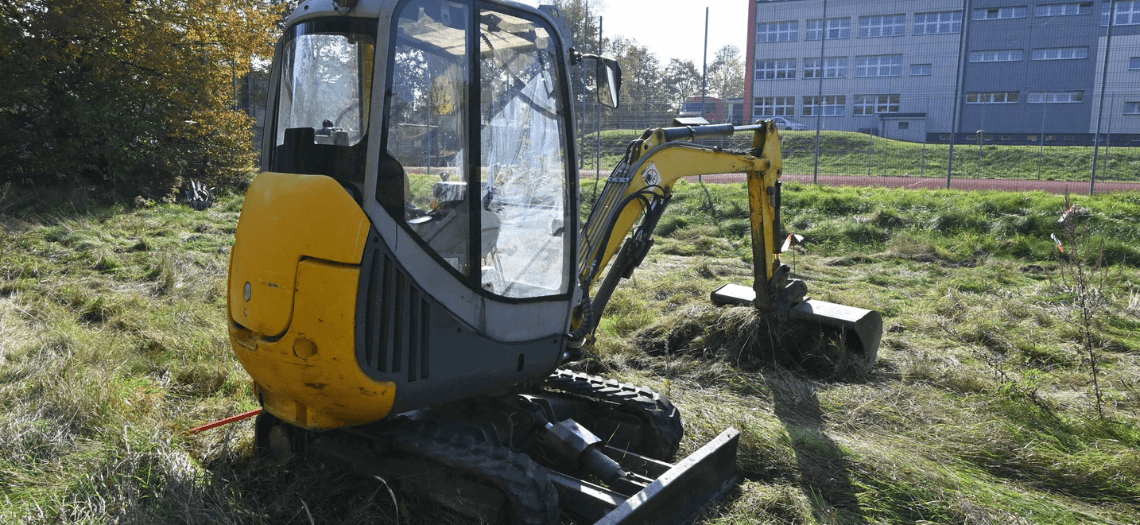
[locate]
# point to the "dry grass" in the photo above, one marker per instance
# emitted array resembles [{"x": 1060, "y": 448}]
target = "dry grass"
[{"x": 112, "y": 341}]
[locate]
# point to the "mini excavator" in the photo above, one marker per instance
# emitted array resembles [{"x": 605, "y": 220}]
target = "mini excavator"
[{"x": 410, "y": 275}]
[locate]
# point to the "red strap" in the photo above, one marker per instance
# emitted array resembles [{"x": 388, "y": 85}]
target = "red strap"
[{"x": 225, "y": 421}]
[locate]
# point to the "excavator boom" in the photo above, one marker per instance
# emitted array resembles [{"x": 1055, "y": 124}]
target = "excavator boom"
[{"x": 637, "y": 192}]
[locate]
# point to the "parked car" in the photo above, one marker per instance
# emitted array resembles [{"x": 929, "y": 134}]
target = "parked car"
[{"x": 783, "y": 123}]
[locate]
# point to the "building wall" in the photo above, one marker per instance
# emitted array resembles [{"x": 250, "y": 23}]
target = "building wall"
[
  {"x": 1026, "y": 34},
  {"x": 910, "y": 129},
  {"x": 1055, "y": 96},
  {"x": 1122, "y": 90},
  {"x": 931, "y": 94}
]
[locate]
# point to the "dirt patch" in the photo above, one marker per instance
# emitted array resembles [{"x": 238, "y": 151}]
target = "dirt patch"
[{"x": 744, "y": 338}]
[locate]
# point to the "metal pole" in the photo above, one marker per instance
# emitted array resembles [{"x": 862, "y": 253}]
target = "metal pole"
[
  {"x": 978, "y": 168},
  {"x": 1108, "y": 139},
  {"x": 598, "y": 120},
  {"x": 870, "y": 151},
  {"x": 819, "y": 97},
  {"x": 704, "y": 76},
  {"x": 957, "y": 88},
  {"x": 705, "y": 66},
  {"x": 922, "y": 170},
  {"x": 1041, "y": 148},
  {"x": 582, "y": 124},
  {"x": 1103, "y": 83}
]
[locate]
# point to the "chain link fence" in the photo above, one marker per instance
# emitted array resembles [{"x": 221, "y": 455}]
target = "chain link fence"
[{"x": 1041, "y": 160}]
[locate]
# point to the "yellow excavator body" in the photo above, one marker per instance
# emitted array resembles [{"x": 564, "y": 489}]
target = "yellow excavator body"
[{"x": 292, "y": 302}]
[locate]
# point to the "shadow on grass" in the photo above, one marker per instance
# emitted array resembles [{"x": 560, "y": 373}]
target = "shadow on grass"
[{"x": 825, "y": 473}]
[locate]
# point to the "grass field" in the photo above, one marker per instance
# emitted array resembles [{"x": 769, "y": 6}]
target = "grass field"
[
  {"x": 981, "y": 408},
  {"x": 850, "y": 153}
]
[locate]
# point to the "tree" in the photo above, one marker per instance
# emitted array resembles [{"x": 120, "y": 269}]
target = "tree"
[
  {"x": 681, "y": 82},
  {"x": 644, "y": 103},
  {"x": 581, "y": 19},
  {"x": 129, "y": 94},
  {"x": 726, "y": 73}
]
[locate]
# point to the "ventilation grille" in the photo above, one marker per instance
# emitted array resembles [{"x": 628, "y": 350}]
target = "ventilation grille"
[{"x": 395, "y": 322}]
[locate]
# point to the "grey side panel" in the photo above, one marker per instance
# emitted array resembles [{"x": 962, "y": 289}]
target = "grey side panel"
[{"x": 404, "y": 335}]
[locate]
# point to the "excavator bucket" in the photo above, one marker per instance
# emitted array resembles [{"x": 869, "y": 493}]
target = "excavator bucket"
[{"x": 861, "y": 329}]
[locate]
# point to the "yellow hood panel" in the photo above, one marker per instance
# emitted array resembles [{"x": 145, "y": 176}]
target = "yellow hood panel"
[{"x": 285, "y": 219}]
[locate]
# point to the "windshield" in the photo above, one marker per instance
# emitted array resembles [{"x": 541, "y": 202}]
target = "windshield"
[
  {"x": 517, "y": 153},
  {"x": 322, "y": 98}
]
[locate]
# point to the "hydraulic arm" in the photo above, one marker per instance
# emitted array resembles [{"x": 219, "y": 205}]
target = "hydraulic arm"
[{"x": 639, "y": 189}]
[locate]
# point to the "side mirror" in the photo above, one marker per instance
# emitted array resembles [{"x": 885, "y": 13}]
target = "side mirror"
[{"x": 609, "y": 81}]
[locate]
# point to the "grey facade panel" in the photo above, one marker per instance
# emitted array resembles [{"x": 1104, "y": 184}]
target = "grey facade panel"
[{"x": 1058, "y": 93}]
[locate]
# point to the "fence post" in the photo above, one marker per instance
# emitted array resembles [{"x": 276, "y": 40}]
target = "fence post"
[{"x": 1103, "y": 84}]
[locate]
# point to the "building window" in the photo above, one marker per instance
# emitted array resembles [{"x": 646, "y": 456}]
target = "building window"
[
  {"x": 1127, "y": 14},
  {"x": 881, "y": 26},
  {"x": 1134, "y": 64},
  {"x": 872, "y": 104},
  {"x": 1011, "y": 55},
  {"x": 1132, "y": 108},
  {"x": 1061, "y": 53},
  {"x": 776, "y": 69},
  {"x": 833, "y": 28},
  {"x": 833, "y": 67},
  {"x": 999, "y": 13},
  {"x": 921, "y": 70},
  {"x": 1083, "y": 8},
  {"x": 1009, "y": 97},
  {"x": 828, "y": 105},
  {"x": 938, "y": 23},
  {"x": 878, "y": 66},
  {"x": 1055, "y": 97},
  {"x": 904, "y": 125},
  {"x": 769, "y": 32},
  {"x": 812, "y": 68},
  {"x": 775, "y": 107}
]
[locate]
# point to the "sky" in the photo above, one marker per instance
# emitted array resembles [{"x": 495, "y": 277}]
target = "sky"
[{"x": 676, "y": 28}]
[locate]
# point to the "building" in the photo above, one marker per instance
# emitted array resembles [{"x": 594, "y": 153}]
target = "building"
[{"x": 935, "y": 70}]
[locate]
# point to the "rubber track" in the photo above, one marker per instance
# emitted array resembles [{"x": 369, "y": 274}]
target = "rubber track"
[
  {"x": 529, "y": 492},
  {"x": 663, "y": 417}
]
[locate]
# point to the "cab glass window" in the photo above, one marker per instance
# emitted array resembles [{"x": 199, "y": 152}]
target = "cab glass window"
[
  {"x": 477, "y": 143},
  {"x": 523, "y": 164},
  {"x": 322, "y": 98}
]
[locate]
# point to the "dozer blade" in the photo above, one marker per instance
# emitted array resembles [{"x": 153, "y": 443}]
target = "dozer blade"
[
  {"x": 677, "y": 494},
  {"x": 863, "y": 329}
]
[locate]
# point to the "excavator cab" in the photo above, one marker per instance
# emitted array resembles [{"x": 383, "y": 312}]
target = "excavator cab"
[{"x": 416, "y": 153}]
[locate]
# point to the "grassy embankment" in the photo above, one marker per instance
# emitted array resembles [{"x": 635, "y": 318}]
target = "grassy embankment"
[
  {"x": 849, "y": 153},
  {"x": 112, "y": 341}
]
